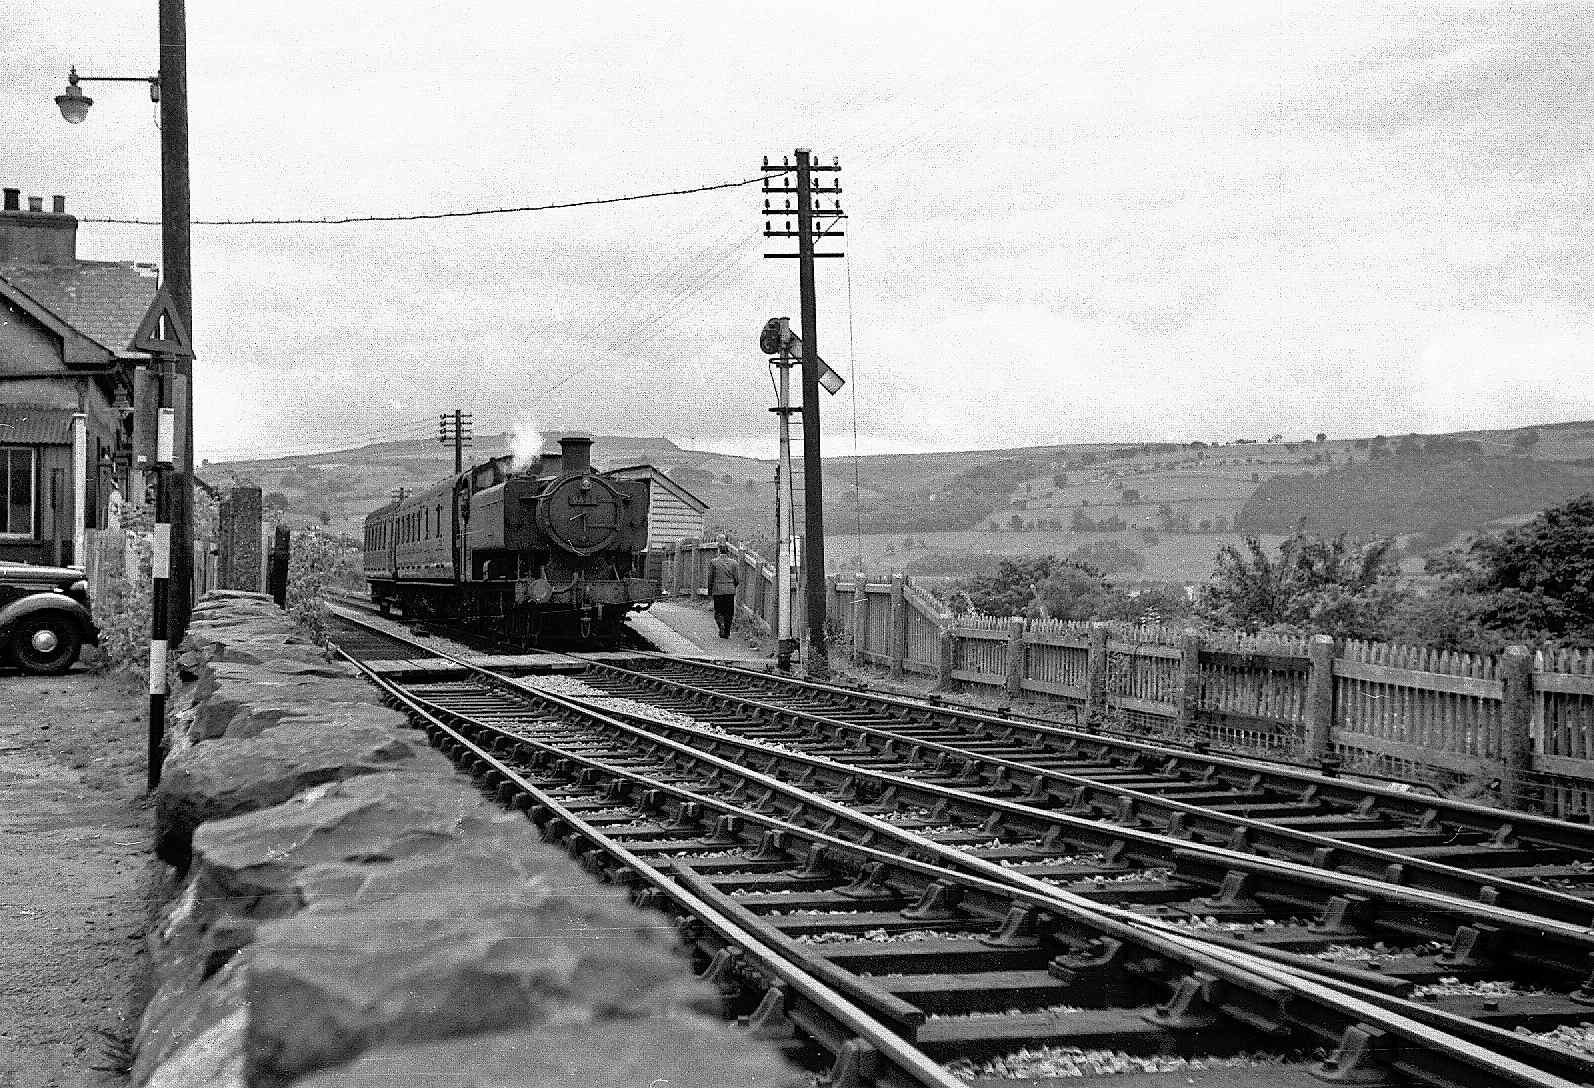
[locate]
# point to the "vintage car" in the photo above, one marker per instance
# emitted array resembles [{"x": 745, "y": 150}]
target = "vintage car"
[{"x": 45, "y": 617}]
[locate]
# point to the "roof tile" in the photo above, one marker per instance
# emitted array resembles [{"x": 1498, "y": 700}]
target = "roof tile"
[{"x": 104, "y": 300}]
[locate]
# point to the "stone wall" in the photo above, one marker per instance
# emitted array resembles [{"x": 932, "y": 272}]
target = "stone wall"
[{"x": 347, "y": 909}]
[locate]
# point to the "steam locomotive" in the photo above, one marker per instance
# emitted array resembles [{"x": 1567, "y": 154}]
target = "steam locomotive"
[{"x": 550, "y": 554}]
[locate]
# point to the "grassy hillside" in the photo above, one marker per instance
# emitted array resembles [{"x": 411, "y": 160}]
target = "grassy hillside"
[
  {"x": 1175, "y": 503},
  {"x": 1438, "y": 496}
]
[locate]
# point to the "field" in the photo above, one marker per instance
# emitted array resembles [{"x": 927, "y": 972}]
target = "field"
[{"x": 1185, "y": 558}]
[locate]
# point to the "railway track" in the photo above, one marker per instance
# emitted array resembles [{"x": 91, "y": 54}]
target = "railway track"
[
  {"x": 994, "y": 936},
  {"x": 1539, "y": 864}
]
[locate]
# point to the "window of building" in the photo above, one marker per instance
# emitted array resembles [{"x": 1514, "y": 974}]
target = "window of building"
[{"x": 17, "y": 499}]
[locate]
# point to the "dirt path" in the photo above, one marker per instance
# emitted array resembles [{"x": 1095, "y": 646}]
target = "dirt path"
[{"x": 76, "y": 875}]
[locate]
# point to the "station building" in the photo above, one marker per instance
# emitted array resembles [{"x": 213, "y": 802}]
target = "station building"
[
  {"x": 66, "y": 381},
  {"x": 674, "y": 513}
]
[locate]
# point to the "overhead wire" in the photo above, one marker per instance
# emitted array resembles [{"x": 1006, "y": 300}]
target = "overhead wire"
[
  {"x": 852, "y": 380},
  {"x": 463, "y": 214}
]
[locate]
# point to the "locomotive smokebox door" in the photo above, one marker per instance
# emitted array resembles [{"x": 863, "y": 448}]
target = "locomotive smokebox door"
[{"x": 581, "y": 514}]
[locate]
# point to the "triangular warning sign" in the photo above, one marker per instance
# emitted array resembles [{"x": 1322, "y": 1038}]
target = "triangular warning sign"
[{"x": 162, "y": 332}]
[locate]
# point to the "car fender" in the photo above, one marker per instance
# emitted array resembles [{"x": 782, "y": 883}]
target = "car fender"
[{"x": 13, "y": 612}]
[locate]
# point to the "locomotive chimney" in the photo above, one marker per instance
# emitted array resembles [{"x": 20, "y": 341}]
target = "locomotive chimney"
[{"x": 575, "y": 454}]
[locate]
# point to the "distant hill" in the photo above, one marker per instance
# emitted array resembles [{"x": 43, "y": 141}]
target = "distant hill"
[
  {"x": 1182, "y": 499},
  {"x": 1437, "y": 496}
]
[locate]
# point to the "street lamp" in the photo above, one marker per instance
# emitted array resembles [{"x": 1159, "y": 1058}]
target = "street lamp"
[
  {"x": 74, "y": 104},
  {"x": 169, "y": 87}
]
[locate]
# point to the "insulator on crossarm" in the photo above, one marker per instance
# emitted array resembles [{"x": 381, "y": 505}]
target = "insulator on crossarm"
[
  {"x": 766, "y": 162},
  {"x": 835, "y": 160},
  {"x": 766, "y": 204}
]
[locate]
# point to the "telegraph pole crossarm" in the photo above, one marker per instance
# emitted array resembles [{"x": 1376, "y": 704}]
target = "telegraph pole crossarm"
[{"x": 455, "y": 427}]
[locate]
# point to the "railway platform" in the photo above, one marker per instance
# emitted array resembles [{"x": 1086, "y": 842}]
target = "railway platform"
[{"x": 684, "y": 629}]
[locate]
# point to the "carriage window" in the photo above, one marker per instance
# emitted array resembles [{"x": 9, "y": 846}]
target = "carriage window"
[
  {"x": 439, "y": 521},
  {"x": 16, "y": 491}
]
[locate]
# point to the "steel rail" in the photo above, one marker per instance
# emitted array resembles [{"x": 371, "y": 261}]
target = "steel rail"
[
  {"x": 1183, "y": 819},
  {"x": 1575, "y": 940},
  {"x": 1490, "y": 821},
  {"x": 1246, "y": 969},
  {"x": 915, "y": 1066}
]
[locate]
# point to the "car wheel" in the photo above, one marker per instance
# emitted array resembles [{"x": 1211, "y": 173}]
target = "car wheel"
[{"x": 46, "y": 644}]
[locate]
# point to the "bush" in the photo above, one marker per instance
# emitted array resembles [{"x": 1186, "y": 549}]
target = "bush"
[
  {"x": 317, "y": 562},
  {"x": 123, "y": 616}
]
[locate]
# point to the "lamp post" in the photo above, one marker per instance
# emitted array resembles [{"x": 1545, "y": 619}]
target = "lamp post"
[{"x": 169, "y": 87}]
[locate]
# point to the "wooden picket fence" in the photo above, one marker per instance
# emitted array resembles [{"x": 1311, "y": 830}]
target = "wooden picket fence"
[{"x": 1515, "y": 729}]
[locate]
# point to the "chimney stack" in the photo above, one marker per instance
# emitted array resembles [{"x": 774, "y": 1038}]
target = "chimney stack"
[
  {"x": 36, "y": 236},
  {"x": 575, "y": 454}
]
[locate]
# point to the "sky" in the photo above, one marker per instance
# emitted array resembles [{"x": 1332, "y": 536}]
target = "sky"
[{"x": 1066, "y": 222}]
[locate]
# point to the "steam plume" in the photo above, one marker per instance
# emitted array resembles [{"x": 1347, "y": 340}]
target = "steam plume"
[{"x": 525, "y": 444}]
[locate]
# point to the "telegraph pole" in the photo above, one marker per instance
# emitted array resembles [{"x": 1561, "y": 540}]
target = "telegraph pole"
[
  {"x": 812, "y": 366},
  {"x": 177, "y": 275},
  {"x": 455, "y": 428}
]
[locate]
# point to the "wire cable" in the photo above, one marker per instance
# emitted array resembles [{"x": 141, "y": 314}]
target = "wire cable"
[
  {"x": 468, "y": 213},
  {"x": 852, "y": 379}
]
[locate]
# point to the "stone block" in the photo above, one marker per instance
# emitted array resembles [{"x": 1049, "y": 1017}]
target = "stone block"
[
  {"x": 252, "y": 865},
  {"x": 215, "y": 781},
  {"x": 193, "y": 1035},
  {"x": 683, "y": 1052},
  {"x": 269, "y": 693},
  {"x": 325, "y": 986}
]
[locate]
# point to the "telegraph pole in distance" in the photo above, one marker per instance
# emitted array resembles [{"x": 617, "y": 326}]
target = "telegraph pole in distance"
[
  {"x": 812, "y": 365},
  {"x": 455, "y": 428}
]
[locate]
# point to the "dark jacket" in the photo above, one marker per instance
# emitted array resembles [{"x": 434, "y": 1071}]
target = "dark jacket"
[{"x": 724, "y": 575}]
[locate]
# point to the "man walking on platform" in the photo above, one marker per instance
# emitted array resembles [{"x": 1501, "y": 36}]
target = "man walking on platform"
[{"x": 724, "y": 576}]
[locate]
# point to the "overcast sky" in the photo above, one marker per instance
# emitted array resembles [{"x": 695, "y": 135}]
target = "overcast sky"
[{"x": 1068, "y": 222}]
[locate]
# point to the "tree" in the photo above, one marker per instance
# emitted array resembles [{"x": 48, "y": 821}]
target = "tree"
[
  {"x": 1526, "y": 440},
  {"x": 275, "y": 500},
  {"x": 1334, "y": 586},
  {"x": 1108, "y": 557},
  {"x": 1016, "y": 522},
  {"x": 1060, "y": 479},
  {"x": 325, "y": 517},
  {"x": 1532, "y": 583},
  {"x": 1131, "y": 495},
  {"x": 1321, "y": 437}
]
